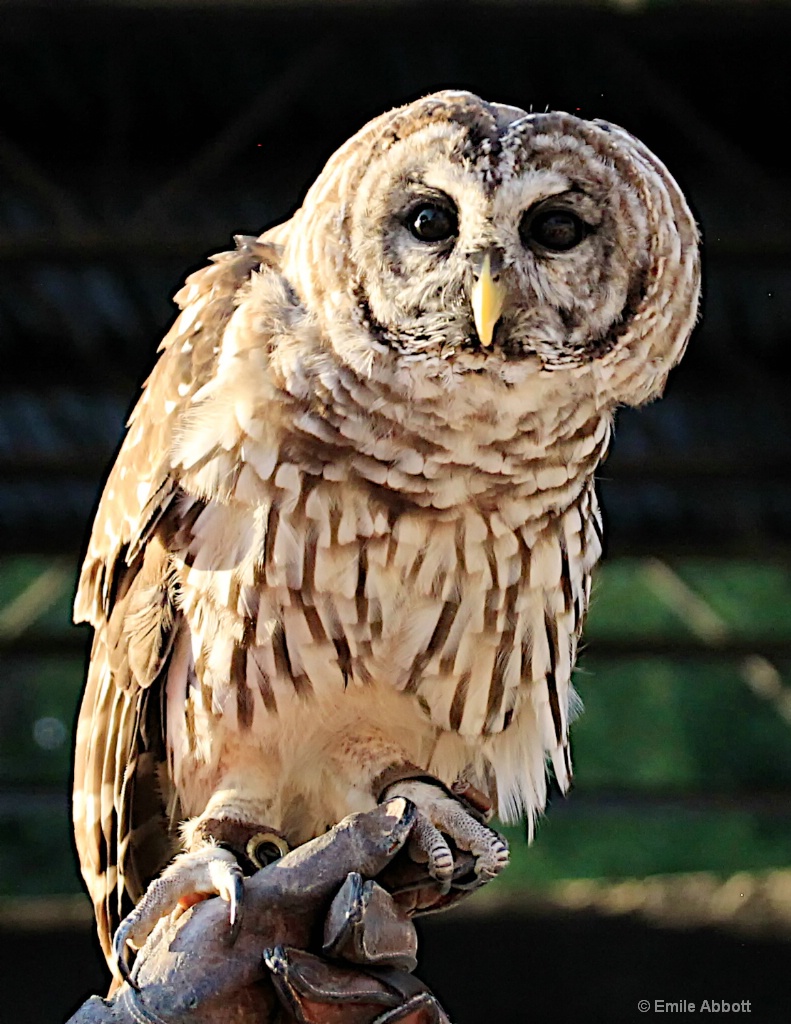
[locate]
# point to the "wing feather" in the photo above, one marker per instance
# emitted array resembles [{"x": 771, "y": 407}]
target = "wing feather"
[
  {"x": 126, "y": 592},
  {"x": 141, "y": 485}
]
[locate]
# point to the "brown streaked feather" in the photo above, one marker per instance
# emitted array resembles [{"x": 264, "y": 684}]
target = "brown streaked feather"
[
  {"x": 120, "y": 831},
  {"x": 551, "y": 680},
  {"x": 125, "y": 591},
  {"x": 435, "y": 645},
  {"x": 505, "y": 652}
]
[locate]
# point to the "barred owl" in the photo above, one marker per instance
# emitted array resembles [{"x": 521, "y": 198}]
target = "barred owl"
[{"x": 346, "y": 547}]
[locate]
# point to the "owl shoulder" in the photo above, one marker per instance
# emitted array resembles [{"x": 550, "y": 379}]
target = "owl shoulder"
[{"x": 196, "y": 410}]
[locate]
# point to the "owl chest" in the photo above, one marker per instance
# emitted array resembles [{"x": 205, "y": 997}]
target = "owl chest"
[{"x": 325, "y": 599}]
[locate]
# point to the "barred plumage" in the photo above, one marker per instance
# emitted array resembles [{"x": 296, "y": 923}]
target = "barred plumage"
[{"x": 345, "y": 528}]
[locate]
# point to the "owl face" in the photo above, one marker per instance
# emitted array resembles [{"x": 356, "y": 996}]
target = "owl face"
[{"x": 479, "y": 236}]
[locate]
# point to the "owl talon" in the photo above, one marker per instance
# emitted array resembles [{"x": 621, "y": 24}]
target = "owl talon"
[
  {"x": 192, "y": 877},
  {"x": 236, "y": 905},
  {"x": 441, "y": 815},
  {"x": 120, "y": 953}
]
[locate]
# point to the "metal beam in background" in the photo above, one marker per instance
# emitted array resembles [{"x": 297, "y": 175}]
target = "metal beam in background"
[
  {"x": 115, "y": 242},
  {"x": 57, "y": 201},
  {"x": 43, "y": 591},
  {"x": 628, "y": 6},
  {"x": 265, "y": 109},
  {"x": 655, "y": 88}
]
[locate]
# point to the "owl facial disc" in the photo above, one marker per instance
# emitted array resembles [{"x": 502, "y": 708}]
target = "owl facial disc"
[{"x": 455, "y": 239}]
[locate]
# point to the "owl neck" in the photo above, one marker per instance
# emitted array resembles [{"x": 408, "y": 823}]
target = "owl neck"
[{"x": 531, "y": 447}]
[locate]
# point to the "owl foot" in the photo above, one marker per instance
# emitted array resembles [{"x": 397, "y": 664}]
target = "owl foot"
[
  {"x": 192, "y": 877},
  {"x": 442, "y": 817}
]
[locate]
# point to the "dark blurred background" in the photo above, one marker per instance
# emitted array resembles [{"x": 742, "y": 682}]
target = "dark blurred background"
[{"x": 135, "y": 139}]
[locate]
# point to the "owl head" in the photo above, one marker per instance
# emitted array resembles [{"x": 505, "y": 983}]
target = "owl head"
[{"x": 458, "y": 237}]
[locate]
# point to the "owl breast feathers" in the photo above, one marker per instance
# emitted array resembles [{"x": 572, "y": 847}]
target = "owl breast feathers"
[{"x": 353, "y": 519}]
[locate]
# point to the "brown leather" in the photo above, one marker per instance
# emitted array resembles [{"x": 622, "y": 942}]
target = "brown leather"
[
  {"x": 189, "y": 973},
  {"x": 416, "y": 892},
  {"x": 364, "y": 925},
  {"x": 402, "y": 771},
  {"x": 317, "y": 991}
]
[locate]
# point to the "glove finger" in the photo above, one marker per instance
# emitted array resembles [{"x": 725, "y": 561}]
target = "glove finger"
[
  {"x": 365, "y": 926},
  {"x": 364, "y": 842}
]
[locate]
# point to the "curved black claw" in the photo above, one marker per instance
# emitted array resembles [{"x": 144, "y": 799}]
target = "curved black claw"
[
  {"x": 236, "y": 907},
  {"x": 121, "y": 953}
]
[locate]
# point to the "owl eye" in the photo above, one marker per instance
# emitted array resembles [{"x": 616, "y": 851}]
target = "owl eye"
[
  {"x": 433, "y": 222},
  {"x": 556, "y": 230}
]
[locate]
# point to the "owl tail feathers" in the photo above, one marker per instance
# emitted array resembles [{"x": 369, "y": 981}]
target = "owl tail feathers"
[
  {"x": 518, "y": 761},
  {"x": 561, "y": 766},
  {"x": 525, "y": 799},
  {"x": 524, "y": 760}
]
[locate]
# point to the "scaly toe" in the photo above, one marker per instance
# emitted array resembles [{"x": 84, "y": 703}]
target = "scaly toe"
[
  {"x": 490, "y": 858},
  {"x": 441, "y": 814},
  {"x": 427, "y": 843}
]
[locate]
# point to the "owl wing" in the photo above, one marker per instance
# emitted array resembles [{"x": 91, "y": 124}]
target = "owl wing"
[{"x": 126, "y": 593}]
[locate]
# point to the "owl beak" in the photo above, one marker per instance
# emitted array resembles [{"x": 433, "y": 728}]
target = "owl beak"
[{"x": 487, "y": 295}]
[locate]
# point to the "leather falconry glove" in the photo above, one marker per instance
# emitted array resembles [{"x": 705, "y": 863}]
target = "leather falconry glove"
[{"x": 321, "y": 941}]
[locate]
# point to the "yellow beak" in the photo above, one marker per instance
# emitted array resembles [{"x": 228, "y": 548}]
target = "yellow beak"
[{"x": 488, "y": 297}]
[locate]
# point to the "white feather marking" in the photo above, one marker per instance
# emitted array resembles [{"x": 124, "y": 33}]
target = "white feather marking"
[
  {"x": 551, "y": 477},
  {"x": 315, "y": 426},
  {"x": 410, "y": 531},
  {"x": 365, "y": 523},
  {"x": 289, "y": 478},
  {"x": 288, "y": 555},
  {"x": 335, "y": 471},
  {"x": 545, "y": 564},
  {"x": 221, "y": 585},
  {"x": 410, "y": 461},
  {"x": 347, "y": 528},
  {"x": 262, "y": 457},
  {"x": 509, "y": 567},
  {"x": 176, "y": 698},
  {"x": 473, "y": 718},
  {"x": 335, "y": 570},
  {"x": 247, "y": 488}
]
